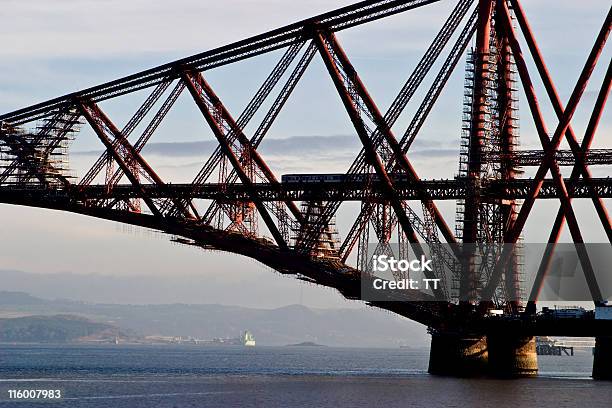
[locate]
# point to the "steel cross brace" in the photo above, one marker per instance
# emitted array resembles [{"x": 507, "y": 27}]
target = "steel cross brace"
[
  {"x": 192, "y": 85},
  {"x": 554, "y": 235},
  {"x": 393, "y": 113},
  {"x": 126, "y": 131},
  {"x": 133, "y": 160},
  {"x": 250, "y": 110},
  {"x": 68, "y": 118},
  {"x": 152, "y": 126},
  {"x": 382, "y": 126},
  {"x": 236, "y": 128},
  {"x": 579, "y": 151},
  {"x": 26, "y": 153},
  {"x": 398, "y": 154},
  {"x": 265, "y": 125},
  {"x": 97, "y": 121},
  {"x": 550, "y": 147},
  {"x": 413, "y": 129},
  {"x": 247, "y": 147},
  {"x": 370, "y": 149}
]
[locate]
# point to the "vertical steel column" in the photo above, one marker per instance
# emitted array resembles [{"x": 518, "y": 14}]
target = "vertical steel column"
[
  {"x": 469, "y": 281},
  {"x": 507, "y": 137}
]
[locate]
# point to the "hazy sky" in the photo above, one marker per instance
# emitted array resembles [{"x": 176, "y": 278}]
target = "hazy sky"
[{"x": 53, "y": 47}]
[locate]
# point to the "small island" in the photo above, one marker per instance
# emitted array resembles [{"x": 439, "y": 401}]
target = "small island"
[{"x": 306, "y": 344}]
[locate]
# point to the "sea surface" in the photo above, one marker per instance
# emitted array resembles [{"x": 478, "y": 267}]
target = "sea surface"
[{"x": 232, "y": 376}]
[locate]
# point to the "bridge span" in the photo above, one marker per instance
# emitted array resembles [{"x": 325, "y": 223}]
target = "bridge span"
[{"x": 482, "y": 320}]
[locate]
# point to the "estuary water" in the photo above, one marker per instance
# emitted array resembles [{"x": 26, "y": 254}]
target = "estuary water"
[{"x": 232, "y": 376}]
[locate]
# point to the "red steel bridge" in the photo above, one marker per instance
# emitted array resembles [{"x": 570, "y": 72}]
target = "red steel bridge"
[{"x": 237, "y": 204}]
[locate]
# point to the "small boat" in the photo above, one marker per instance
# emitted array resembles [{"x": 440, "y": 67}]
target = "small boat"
[{"x": 248, "y": 339}]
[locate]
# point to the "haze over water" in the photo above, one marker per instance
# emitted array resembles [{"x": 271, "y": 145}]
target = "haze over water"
[{"x": 227, "y": 376}]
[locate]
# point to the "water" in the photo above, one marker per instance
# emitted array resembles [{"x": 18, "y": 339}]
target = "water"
[{"x": 226, "y": 376}]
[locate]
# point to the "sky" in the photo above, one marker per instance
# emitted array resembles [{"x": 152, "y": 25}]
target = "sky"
[{"x": 52, "y": 48}]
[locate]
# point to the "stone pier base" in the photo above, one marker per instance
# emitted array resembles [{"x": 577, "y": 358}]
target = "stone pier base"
[
  {"x": 458, "y": 356},
  {"x": 512, "y": 357},
  {"x": 602, "y": 360},
  {"x": 475, "y": 356}
]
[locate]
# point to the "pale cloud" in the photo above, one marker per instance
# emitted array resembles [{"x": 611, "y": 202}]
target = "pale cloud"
[
  {"x": 67, "y": 28},
  {"x": 103, "y": 28},
  {"x": 296, "y": 154}
]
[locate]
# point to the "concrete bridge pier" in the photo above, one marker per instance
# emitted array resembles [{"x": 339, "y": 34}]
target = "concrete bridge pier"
[
  {"x": 498, "y": 355},
  {"x": 602, "y": 360},
  {"x": 511, "y": 356},
  {"x": 458, "y": 355}
]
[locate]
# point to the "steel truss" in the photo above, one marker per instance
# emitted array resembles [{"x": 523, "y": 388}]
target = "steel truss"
[{"x": 235, "y": 188}]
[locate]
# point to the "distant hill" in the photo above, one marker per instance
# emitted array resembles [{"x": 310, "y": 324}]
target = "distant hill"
[
  {"x": 291, "y": 324},
  {"x": 53, "y": 329},
  {"x": 19, "y": 298}
]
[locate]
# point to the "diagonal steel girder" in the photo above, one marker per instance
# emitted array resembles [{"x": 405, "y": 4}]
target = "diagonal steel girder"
[
  {"x": 195, "y": 80},
  {"x": 550, "y": 147},
  {"x": 351, "y": 106},
  {"x": 245, "y": 143},
  {"x": 152, "y": 126},
  {"x": 268, "y": 120},
  {"x": 398, "y": 154},
  {"x": 398, "y": 105},
  {"x": 237, "y": 126},
  {"x": 578, "y": 151},
  {"x": 98, "y": 120},
  {"x": 132, "y": 160},
  {"x": 412, "y": 130},
  {"x": 105, "y": 157},
  {"x": 554, "y": 235},
  {"x": 252, "y": 107}
]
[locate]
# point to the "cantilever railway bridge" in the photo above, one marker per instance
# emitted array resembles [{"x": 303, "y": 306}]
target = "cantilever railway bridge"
[{"x": 235, "y": 192}]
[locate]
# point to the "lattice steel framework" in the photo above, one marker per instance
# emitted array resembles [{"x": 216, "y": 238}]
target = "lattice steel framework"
[{"x": 240, "y": 190}]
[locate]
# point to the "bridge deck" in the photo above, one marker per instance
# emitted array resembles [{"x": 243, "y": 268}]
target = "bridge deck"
[{"x": 344, "y": 191}]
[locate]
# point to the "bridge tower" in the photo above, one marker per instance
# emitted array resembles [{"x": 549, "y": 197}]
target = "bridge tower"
[{"x": 489, "y": 130}]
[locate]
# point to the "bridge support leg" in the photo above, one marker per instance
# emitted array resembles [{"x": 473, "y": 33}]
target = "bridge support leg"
[
  {"x": 602, "y": 360},
  {"x": 511, "y": 357},
  {"x": 458, "y": 355}
]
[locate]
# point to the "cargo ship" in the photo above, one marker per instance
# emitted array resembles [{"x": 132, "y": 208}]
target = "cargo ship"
[{"x": 248, "y": 339}]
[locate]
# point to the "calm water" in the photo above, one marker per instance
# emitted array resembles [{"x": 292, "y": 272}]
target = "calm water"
[{"x": 183, "y": 376}]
